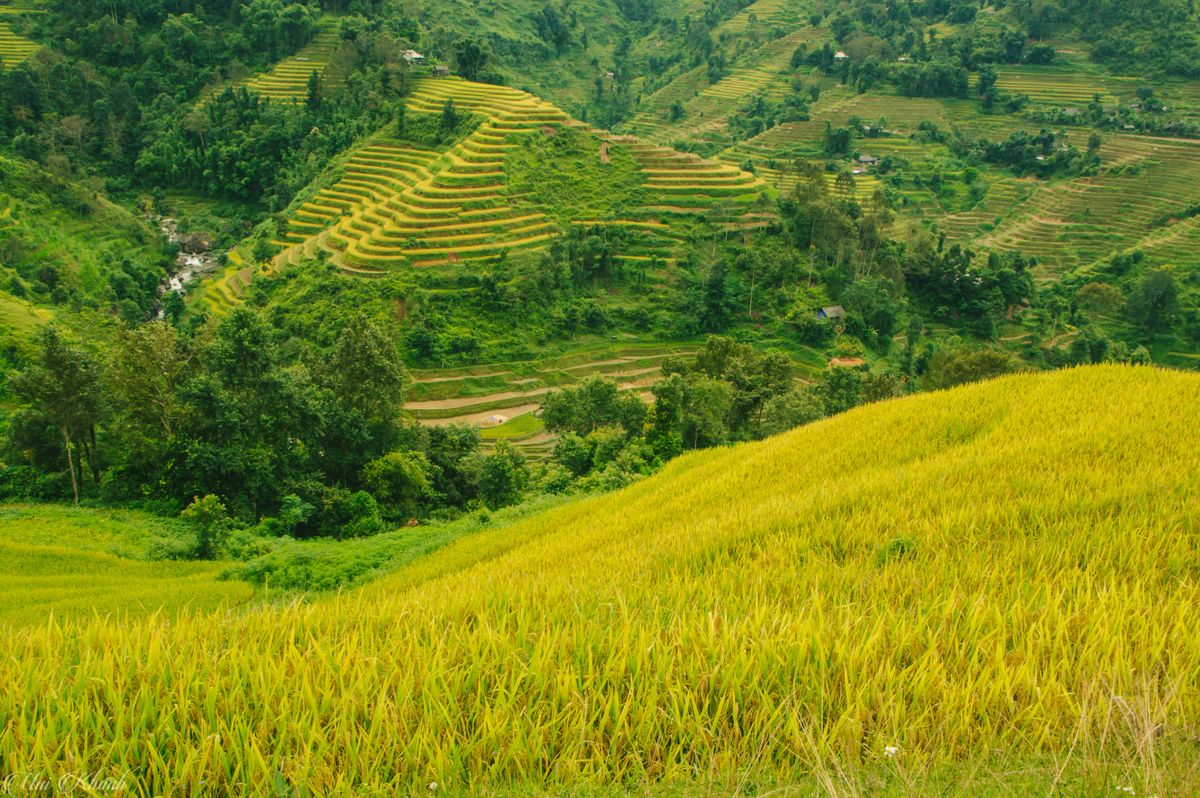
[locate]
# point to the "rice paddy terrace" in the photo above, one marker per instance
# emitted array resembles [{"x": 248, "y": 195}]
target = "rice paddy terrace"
[
  {"x": 397, "y": 204},
  {"x": 503, "y": 398},
  {"x": 288, "y": 80},
  {"x": 1141, "y": 199},
  {"x": 13, "y": 48},
  {"x": 765, "y": 70}
]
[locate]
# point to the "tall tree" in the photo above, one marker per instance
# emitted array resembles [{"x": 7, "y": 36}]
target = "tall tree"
[{"x": 62, "y": 384}]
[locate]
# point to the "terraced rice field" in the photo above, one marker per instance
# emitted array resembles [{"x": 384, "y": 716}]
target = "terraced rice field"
[
  {"x": 20, "y": 7},
  {"x": 13, "y": 48},
  {"x": 399, "y": 204},
  {"x": 288, "y": 80},
  {"x": 790, "y": 140},
  {"x": 511, "y": 393},
  {"x": 396, "y": 204},
  {"x": 1062, "y": 87},
  {"x": 707, "y": 106},
  {"x": 1073, "y": 223},
  {"x": 762, "y": 13},
  {"x": 685, "y": 183},
  {"x": 221, "y": 294}
]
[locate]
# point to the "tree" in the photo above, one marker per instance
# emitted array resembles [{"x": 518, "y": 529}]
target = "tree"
[
  {"x": 367, "y": 371},
  {"x": 145, "y": 371},
  {"x": 62, "y": 385},
  {"x": 1154, "y": 304},
  {"x": 400, "y": 480},
  {"x": 313, "y": 95},
  {"x": 792, "y": 409},
  {"x": 840, "y": 389},
  {"x": 471, "y": 57},
  {"x": 502, "y": 476},
  {"x": 594, "y": 403},
  {"x": 449, "y": 117},
  {"x": 212, "y": 523},
  {"x": 707, "y": 403},
  {"x": 1100, "y": 298},
  {"x": 252, "y": 427},
  {"x": 952, "y": 366}
]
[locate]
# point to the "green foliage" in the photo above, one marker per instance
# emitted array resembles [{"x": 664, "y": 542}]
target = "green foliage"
[
  {"x": 208, "y": 515},
  {"x": 502, "y": 476},
  {"x": 952, "y": 366},
  {"x": 572, "y": 175},
  {"x": 61, "y": 391},
  {"x": 63, "y": 245},
  {"x": 593, "y": 404},
  {"x": 400, "y": 480},
  {"x": 1154, "y": 304}
]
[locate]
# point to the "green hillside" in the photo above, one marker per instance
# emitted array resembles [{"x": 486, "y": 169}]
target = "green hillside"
[
  {"x": 65, "y": 248},
  {"x": 971, "y": 592}
]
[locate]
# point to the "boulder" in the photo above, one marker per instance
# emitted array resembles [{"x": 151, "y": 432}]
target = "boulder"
[{"x": 196, "y": 243}]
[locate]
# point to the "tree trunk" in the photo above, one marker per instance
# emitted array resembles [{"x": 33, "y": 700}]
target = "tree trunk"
[{"x": 70, "y": 463}]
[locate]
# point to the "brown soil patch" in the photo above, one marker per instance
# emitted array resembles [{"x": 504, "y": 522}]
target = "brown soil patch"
[{"x": 847, "y": 362}]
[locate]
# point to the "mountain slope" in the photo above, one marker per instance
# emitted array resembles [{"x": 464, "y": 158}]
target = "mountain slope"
[
  {"x": 394, "y": 203},
  {"x": 1008, "y": 567},
  {"x": 62, "y": 243}
]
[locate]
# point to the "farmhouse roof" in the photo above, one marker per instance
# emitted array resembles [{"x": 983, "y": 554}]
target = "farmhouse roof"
[
  {"x": 832, "y": 312},
  {"x": 867, "y": 159},
  {"x": 840, "y": 56},
  {"x": 441, "y": 70},
  {"x": 412, "y": 55}
]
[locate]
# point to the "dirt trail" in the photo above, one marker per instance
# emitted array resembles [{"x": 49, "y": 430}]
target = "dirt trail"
[
  {"x": 477, "y": 418},
  {"x": 469, "y": 401}
]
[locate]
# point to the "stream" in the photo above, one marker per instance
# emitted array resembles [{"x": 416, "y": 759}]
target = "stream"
[{"x": 188, "y": 267}]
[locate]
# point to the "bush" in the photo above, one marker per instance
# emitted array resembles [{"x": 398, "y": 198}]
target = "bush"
[
  {"x": 212, "y": 524},
  {"x": 955, "y": 366}
]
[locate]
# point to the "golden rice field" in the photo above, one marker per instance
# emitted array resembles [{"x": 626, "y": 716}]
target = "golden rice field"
[
  {"x": 10, "y": 7},
  {"x": 14, "y": 48},
  {"x": 288, "y": 80},
  {"x": 991, "y": 590},
  {"x": 398, "y": 204}
]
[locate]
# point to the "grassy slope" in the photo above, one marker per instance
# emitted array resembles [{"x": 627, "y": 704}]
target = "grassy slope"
[
  {"x": 529, "y": 63},
  {"x": 1003, "y": 576},
  {"x": 68, "y": 562},
  {"x": 45, "y": 220}
]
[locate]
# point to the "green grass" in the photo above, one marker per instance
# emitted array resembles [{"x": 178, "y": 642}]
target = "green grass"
[
  {"x": 522, "y": 426},
  {"x": 66, "y": 562},
  {"x": 316, "y": 565},
  {"x": 563, "y": 174}
]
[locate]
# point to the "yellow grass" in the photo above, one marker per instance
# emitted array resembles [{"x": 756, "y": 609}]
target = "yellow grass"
[{"x": 1006, "y": 570}]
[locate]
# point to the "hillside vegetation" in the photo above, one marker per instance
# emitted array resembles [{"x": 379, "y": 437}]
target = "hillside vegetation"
[
  {"x": 76, "y": 563},
  {"x": 995, "y": 584}
]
